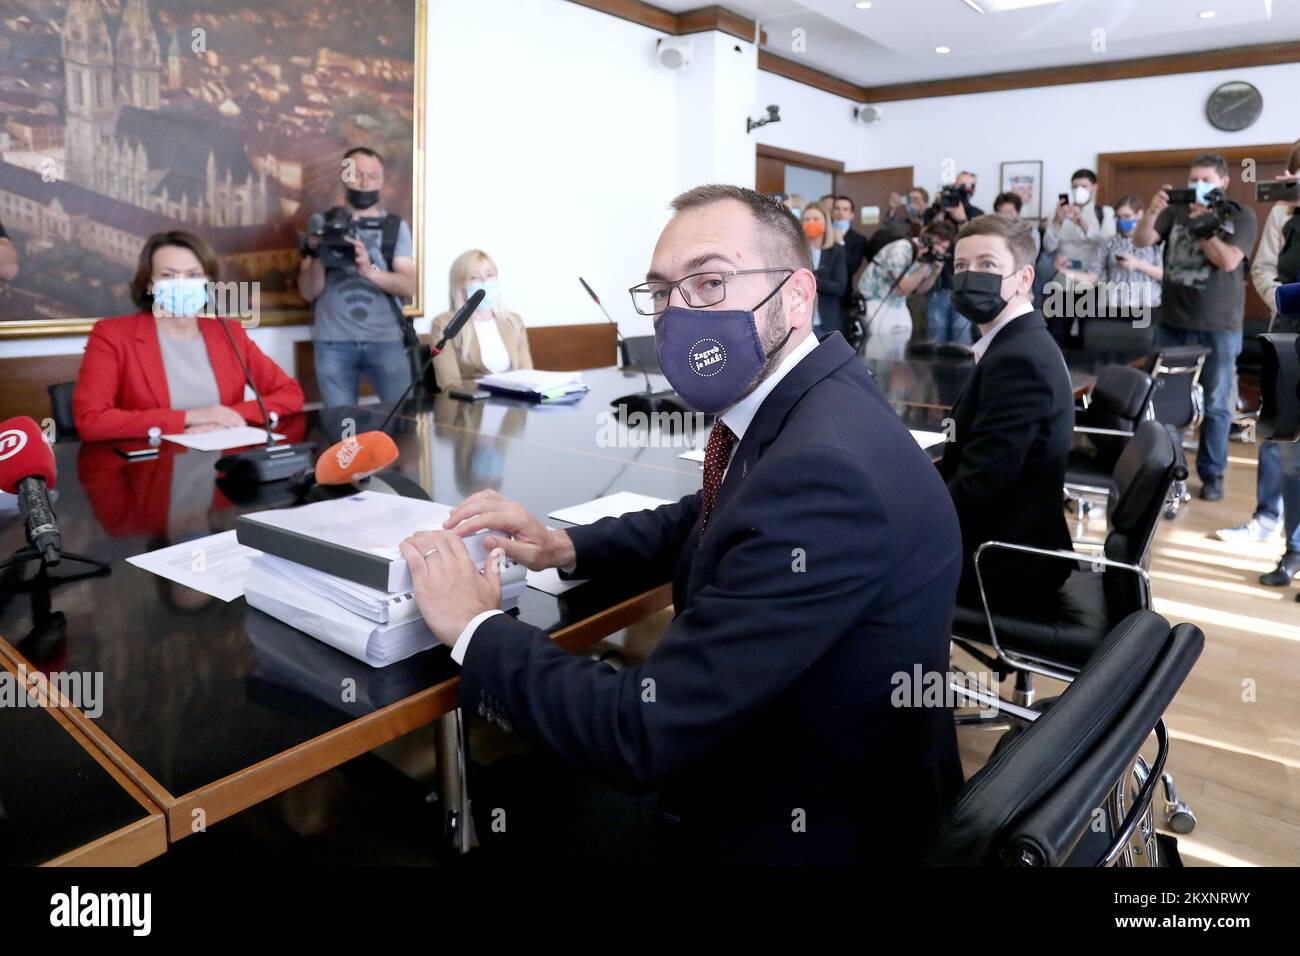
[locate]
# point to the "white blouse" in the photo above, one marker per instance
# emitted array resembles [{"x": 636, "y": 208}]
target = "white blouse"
[{"x": 491, "y": 347}]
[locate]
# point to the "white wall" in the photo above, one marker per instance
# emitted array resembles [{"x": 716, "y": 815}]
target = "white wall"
[
  {"x": 1067, "y": 126},
  {"x": 812, "y": 121}
]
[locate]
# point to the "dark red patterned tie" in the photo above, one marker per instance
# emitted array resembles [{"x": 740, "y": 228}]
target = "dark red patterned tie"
[{"x": 716, "y": 454}]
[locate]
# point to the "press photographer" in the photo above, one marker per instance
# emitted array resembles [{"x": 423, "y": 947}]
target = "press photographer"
[
  {"x": 954, "y": 204},
  {"x": 357, "y": 266},
  {"x": 1207, "y": 237},
  {"x": 900, "y": 268}
]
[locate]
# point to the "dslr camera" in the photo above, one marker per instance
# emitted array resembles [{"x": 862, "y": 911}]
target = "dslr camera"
[
  {"x": 952, "y": 195},
  {"x": 927, "y": 253},
  {"x": 1222, "y": 212}
]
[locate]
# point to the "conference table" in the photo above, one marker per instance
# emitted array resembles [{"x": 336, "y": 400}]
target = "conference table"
[{"x": 210, "y": 707}]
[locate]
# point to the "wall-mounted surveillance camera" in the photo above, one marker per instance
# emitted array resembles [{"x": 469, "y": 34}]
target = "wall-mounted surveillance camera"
[{"x": 773, "y": 116}]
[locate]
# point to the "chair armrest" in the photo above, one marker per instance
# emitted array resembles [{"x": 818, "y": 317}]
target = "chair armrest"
[
  {"x": 1143, "y": 800},
  {"x": 1095, "y": 561},
  {"x": 1088, "y": 543},
  {"x": 1089, "y": 430}
]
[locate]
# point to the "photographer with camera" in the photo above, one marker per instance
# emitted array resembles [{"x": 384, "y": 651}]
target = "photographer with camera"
[
  {"x": 1277, "y": 480},
  {"x": 902, "y": 267},
  {"x": 1078, "y": 228},
  {"x": 1203, "y": 293},
  {"x": 358, "y": 264},
  {"x": 945, "y": 323}
]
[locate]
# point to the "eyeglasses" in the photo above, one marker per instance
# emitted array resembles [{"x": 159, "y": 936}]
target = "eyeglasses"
[{"x": 698, "y": 290}]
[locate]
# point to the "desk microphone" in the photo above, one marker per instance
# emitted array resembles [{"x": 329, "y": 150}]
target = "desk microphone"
[
  {"x": 450, "y": 332},
  {"x": 648, "y": 401},
  {"x": 274, "y": 462},
  {"x": 27, "y": 470}
]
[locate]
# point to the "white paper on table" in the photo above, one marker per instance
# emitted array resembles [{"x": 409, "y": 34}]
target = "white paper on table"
[
  {"x": 550, "y": 582},
  {"x": 222, "y": 438},
  {"x": 610, "y": 506},
  {"x": 695, "y": 454},
  {"x": 215, "y": 565},
  {"x": 927, "y": 439}
]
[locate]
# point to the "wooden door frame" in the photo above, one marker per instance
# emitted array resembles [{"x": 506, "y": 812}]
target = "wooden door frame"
[
  {"x": 1107, "y": 163},
  {"x": 792, "y": 158}
]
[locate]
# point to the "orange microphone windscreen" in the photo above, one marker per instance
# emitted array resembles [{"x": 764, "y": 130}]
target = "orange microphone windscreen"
[{"x": 355, "y": 458}]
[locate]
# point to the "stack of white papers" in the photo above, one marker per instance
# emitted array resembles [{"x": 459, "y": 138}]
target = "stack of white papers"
[
  {"x": 221, "y": 439},
  {"x": 535, "y": 383},
  {"x": 610, "y": 506}
]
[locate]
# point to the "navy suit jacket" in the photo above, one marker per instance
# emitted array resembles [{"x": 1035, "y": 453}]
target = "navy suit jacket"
[{"x": 822, "y": 588}]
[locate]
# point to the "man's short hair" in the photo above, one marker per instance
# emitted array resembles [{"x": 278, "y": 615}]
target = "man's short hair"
[
  {"x": 1213, "y": 161},
  {"x": 847, "y": 199},
  {"x": 1013, "y": 198},
  {"x": 942, "y": 228},
  {"x": 781, "y": 237},
  {"x": 967, "y": 172},
  {"x": 1087, "y": 174},
  {"x": 925, "y": 194},
  {"x": 363, "y": 151},
  {"x": 1017, "y": 233},
  {"x": 1133, "y": 201}
]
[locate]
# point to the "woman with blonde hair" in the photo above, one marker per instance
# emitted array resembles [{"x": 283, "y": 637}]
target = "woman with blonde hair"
[
  {"x": 830, "y": 261},
  {"x": 493, "y": 340}
]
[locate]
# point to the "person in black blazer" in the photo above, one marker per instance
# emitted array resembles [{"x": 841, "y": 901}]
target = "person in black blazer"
[
  {"x": 830, "y": 262},
  {"x": 1013, "y": 424},
  {"x": 775, "y": 716}
]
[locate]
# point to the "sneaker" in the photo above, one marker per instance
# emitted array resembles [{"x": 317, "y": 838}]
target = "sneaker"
[
  {"x": 1212, "y": 489},
  {"x": 1252, "y": 530},
  {"x": 1285, "y": 571}
]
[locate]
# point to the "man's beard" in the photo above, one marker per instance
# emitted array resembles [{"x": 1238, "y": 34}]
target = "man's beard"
[{"x": 772, "y": 328}]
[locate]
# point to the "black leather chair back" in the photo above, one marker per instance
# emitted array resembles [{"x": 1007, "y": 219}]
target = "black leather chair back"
[
  {"x": 65, "y": 425},
  {"x": 1148, "y": 466},
  {"x": 1119, "y": 400},
  {"x": 1177, "y": 372},
  {"x": 1029, "y": 805},
  {"x": 638, "y": 353}
]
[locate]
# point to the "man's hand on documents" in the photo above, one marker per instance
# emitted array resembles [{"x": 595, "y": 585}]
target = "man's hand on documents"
[
  {"x": 448, "y": 586},
  {"x": 530, "y": 542}
]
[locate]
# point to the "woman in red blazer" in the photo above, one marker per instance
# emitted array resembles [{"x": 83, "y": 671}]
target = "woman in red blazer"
[{"x": 122, "y": 388}]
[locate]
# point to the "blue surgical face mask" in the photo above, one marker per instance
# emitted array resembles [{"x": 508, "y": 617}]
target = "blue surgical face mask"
[
  {"x": 796, "y": 213},
  {"x": 1203, "y": 189},
  {"x": 1125, "y": 225},
  {"x": 842, "y": 224},
  {"x": 180, "y": 296},
  {"x": 491, "y": 292},
  {"x": 710, "y": 356}
]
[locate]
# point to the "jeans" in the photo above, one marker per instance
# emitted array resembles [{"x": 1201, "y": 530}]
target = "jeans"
[
  {"x": 1217, "y": 378},
  {"x": 339, "y": 366},
  {"x": 1277, "y": 489},
  {"x": 945, "y": 323}
]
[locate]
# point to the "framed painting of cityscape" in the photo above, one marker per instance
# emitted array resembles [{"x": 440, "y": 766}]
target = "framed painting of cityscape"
[{"x": 229, "y": 118}]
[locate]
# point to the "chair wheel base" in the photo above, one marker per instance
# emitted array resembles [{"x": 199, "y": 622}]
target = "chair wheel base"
[{"x": 1181, "y": 818}]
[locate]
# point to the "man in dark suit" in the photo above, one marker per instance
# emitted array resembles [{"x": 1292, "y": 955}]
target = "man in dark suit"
[
  {"x": 855, "y": 243},
  {"x": 811, "y": 574},
  {"x": 1013, "y": 424}
]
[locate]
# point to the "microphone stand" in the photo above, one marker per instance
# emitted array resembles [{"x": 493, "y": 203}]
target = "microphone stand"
[
  {"x": 647, "y": 401},
  {"x": 274, "y": 462}
]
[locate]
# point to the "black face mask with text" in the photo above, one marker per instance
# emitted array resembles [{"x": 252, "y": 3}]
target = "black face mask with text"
[{"x": 978, "y": 295}]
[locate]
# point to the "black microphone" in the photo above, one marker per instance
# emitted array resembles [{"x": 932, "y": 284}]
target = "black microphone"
[
  {"x": 450, "y": 332},
  {"x": 648, "y": 401},
  {"x": 274, "y": 462}
]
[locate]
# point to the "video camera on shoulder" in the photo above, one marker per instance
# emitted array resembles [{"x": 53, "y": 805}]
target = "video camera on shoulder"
[
  {"x": 1222, "y": 211},
  {"x": 336, "y": 230},
  {"x": 1279, "y": 374}
]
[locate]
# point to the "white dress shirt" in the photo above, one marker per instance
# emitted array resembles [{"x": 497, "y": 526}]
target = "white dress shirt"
[
  {"x": 738, "y": 418},
  {"x": 982, "y": 346}
]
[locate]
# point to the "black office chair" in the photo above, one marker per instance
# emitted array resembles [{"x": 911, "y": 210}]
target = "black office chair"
[
  {"x": 1179, "y": 399},
  {"x": 1035, "y": 802},
  {"x": 1117, "y": 403},
  {"x": 1114, "y": 334},
  {"x": 638, "y": 353},
  {"x": 1057, "y": 637},
  {"x": 65, "y": 424}
]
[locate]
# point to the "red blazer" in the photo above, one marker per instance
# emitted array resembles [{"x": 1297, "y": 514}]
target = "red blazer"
[{"x": 122, "y": 387}]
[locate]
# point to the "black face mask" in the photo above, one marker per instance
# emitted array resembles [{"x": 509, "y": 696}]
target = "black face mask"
[
  {"x": 363, "y": 199},
  {"x": 978, "y": 295}
]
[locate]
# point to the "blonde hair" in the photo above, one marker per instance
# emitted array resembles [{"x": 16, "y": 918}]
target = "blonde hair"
[
  {"x": 462, "y": 274},
  {"x": 831, "y": 235},
  {"x": 795, "y": 201}
]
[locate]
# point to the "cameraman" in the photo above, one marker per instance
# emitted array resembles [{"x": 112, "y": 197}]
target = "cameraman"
[
  {"x": 359, "y": 326},
  {"x": 902, "y": 267},
  {"x": 1277, "y": 480},
  {"x": 1203, "y": 294},
  {"x": 945, "y": 323}
]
